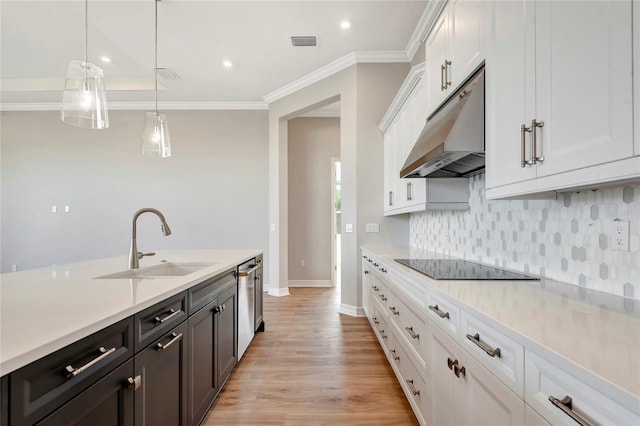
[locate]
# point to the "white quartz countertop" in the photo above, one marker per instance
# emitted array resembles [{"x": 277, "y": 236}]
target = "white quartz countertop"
[
  {"x": 596, "y": 331},
  {"x": 43, "y": 310}
]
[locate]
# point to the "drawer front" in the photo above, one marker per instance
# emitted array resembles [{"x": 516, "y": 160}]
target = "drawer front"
[
  {"x": 44, "y": 385},
  {"x": 158, "y": 319},
  {"x": 411, "y": 326},
  {"x": 543, "y": 379},
  {"x": 380, "y": 325},
  {"x": 444, "y": 313},
  {"x": 531, "y": 418},
  {"x": 207, "y": 290},
  {"x": 413, "y": 383},
  {"x": 380, "y": 290},
  {"x": 495, "y": 351}
]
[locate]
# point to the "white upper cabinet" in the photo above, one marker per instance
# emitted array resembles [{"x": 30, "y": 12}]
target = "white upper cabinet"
[
  {"x": 559, "y": 96},
  {"x": 455, "y": 48}
]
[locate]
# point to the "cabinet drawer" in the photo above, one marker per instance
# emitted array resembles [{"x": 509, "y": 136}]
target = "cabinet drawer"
[
  {"x": 411, "y": 326},
  {"x": 444, "y": 313},
  {"x": 412, "y": 382},
  {"x": 380, "y": 325},
  {"x": 380, "y": 290},
  {"x": 495, "y": 351},
  {"x": 44, "y": 385},
  {"x": 207, "y": 290},
  {"x": 544, "y": 380},
  {"x": 158, "y": 319}
]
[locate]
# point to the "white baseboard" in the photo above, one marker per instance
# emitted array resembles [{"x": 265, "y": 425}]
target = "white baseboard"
[
  {"x": 279, "y": 292},
  {"x": 353, "y": 311},
  {"x": 310, "y": 283}
]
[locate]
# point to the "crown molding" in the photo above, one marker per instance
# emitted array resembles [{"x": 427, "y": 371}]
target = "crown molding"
[
  {"x": 409, "y": 83},
  {"x": 335, "y": 67},
  {"x": 143, "y": 106},
  {"x": 427, "y": 20}
]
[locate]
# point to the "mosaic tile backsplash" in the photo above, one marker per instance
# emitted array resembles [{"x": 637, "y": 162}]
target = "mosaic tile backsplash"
[{"x": 568, "y": 239}]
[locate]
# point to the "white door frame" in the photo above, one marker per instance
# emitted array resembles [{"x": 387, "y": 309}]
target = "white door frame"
[{"x": 334, "y": 241}]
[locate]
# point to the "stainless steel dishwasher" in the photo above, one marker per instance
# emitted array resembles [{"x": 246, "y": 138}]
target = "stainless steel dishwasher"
[{"x": 246, "y": 303}]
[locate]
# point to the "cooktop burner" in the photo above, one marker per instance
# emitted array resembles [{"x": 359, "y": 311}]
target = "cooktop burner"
[{"x": 455, "y": 269}]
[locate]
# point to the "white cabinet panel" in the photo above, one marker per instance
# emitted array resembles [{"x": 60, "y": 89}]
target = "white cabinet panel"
[
  {"x": 531, "y": 418},
  {"x": 436, "y": 55},
  {"x": 468, "y": 29},
  {"x": 544, "y": 380}
]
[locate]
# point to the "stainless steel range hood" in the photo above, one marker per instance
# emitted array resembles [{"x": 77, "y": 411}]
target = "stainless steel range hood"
[{"x": 452, "y": 141}]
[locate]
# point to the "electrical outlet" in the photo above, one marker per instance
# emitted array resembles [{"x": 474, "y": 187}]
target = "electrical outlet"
[
  {"x": 303, "y": 264},
  {"x": 373, "y": 227},
  {"x": 14, "y": 268},
  {"x": 620, "y": 240}
]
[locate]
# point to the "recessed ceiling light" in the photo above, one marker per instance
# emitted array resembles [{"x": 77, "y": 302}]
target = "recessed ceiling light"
[
  {"x": 345, "y": 25},
  {"x": 227, "y": 63},
  {"x": 105, "y": 59}
]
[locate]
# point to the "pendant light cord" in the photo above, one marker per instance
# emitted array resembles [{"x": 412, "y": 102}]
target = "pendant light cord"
[{"x": 156, "y": 55}]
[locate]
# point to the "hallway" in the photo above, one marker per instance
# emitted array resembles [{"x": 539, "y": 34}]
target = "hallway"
[{"x": 312, "y": 366}]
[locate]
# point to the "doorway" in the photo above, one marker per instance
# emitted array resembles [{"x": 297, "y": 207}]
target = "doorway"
[{"x": 336, "y": 222}]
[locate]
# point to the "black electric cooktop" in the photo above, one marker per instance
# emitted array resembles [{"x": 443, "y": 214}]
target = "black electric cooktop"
[{"x": 456, "y": 269}]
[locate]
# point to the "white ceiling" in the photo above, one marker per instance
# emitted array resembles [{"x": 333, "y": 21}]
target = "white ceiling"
[{"x": 38, "y": 38}]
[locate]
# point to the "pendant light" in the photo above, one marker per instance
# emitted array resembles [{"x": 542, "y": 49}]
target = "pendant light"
[
  {"x": 84, "y": 102},
  {"x": 155, "y": 135}
]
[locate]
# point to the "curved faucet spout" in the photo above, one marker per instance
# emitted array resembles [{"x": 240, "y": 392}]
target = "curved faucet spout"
[{"x": 134, "y": 255}]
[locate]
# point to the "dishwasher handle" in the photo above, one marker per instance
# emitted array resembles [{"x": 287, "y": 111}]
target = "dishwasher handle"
[{"x": 249, "y": 271}]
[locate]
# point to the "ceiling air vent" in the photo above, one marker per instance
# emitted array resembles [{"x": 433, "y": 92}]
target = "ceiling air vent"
[{"x": 299, "y": 41}]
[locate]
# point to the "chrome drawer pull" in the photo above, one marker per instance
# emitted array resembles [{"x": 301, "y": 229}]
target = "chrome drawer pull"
[
  {"x": 172, "y": 313},
  {"x": 375, "y": 320},
  {"x": 412, "y": 388},
  {"x": 412, "y": 333},
  {"x": 566, "y": 405},
  {"x": 384, "y": 336},
  {"x": 488, "y": 349},
  {"x": 134, "y": 382},
  {"x": 459, "y": 371},
  {"x": 393, "y": 354},
  {"x": 451, "y": 363},
  {"x": 384, "y": 299},
  {"x": 375, "y": 288},
  {"x": 394, "y": 310},
  {"x": 175, "y": 337},
  {"x": 441, "y": 314},
  {"x": 73, "y": 372}
]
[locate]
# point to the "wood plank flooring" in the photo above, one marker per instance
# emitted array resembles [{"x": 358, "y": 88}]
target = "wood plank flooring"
[{"x": 312, "y": 366}]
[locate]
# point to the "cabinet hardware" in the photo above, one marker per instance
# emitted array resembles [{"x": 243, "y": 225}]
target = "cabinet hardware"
[
  {"x": 218, "y": 309},
  {"x": 383, "y": 270},
  {"x": 134, "y": 382},
  {"x": 458, "y": 371},
  {"x": 375, "y": 320},
  {"x": 523, "y": 146},
  {"x": 73, "y": 372},
  {"x": 394, "y": 310},
  {"x": 172, "y": 313},
  {"x": 384, "y": 299},
  {"x": 390, "y": 198},
  {"x": 175, "y": 337},
  {"x": 412, "y": 388},
  {"x": 482, "y": 345},
  {"x": 409, "y": 191},
  {"x": 366, "y": 272},
  {"x": 365, "y": 257},
  {"x": 369, "y": 260},
  {"x": 442, "y": 86},
  {"x": 375, "y": 264},
  {"x": 451, "y": 363},
  {"x": 375, "y": 288},
  {"x": 441, "y": 314},
  {"x": 447, "y": 69},
  {"x": 412, "y": 333},
  {"x": 394, "y": 355},
  {"x": 534, "y": 148},
  {"x": 384, "y": 336},
  {"x": 566, "y": 405}
]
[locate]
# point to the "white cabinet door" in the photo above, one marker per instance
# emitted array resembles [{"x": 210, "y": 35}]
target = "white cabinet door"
[
  {"x": 389, "y": 169},
  {"x": 510, "y": 91},
  {"x": 442, "y": 350},
  {"x": 435, "y": 56},
  {"x": 636, "y": 78},
  {"x": 468, "y": 37},
  {"x": 583, "y": 83}
]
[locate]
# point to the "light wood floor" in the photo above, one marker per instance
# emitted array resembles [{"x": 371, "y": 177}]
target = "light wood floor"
[{"x": 312, "y": 366}]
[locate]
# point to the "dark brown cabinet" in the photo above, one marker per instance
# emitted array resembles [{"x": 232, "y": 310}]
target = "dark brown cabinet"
[
  {"x": 226, "y": 335},
  {"x": 161, "y": 368}
]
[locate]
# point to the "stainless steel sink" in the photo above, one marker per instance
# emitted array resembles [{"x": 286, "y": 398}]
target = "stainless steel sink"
[{"x": 163, "y": 270}]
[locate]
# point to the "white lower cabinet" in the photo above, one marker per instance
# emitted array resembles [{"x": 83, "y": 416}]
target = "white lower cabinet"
[
  {"x": 531, "y": 418},
  {"x": 562, "y": 399},
  {"x": 464, "y": 392}
]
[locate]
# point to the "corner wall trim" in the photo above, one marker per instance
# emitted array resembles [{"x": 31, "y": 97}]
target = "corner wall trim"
[
  {"x": 353, "y": 311},
  {"x": 310, "y": 283},
  {"x": 279, "y": 292}
]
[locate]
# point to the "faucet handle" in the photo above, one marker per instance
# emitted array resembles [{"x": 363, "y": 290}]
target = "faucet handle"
[{"x": 141, "y": 254}]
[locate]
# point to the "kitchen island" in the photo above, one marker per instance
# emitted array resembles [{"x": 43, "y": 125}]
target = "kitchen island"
[{"x": 47, "y": 312}]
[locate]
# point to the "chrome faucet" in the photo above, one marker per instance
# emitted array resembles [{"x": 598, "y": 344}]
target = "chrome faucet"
[{"x": 134, "y": 254}]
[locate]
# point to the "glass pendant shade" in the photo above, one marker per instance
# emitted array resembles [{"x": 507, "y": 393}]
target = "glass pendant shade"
[
  {"x": 155, "y": 136},
  {"x": 84, "y": 102}
]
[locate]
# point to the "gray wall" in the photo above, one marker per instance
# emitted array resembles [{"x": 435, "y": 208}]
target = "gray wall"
[
  {"x": 213, "y": 191},
  {"x": 313, "y": 142}
]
